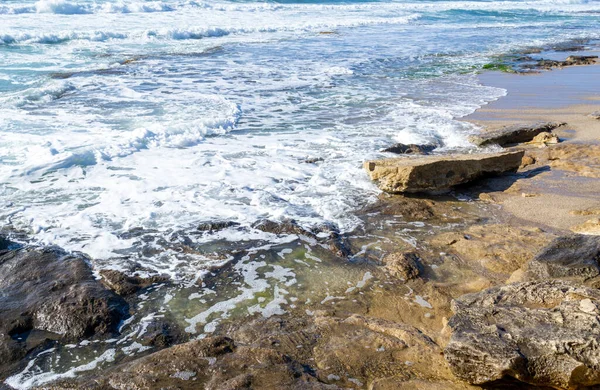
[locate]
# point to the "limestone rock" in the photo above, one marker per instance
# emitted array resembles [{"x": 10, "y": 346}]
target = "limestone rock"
[
  {"x": 514, "y": 134},
  {"x": 435, "y": 174},
  {"x": 545, "y": 138},
  {"x": 541, "y": 333},
  {"x": 403, "y": 265},
  {"x": 591, "y": 226},
  {"x": 498, "y": 248},
  {"x": 575, "y": 257},
  {"x": 409, "y": 149}
]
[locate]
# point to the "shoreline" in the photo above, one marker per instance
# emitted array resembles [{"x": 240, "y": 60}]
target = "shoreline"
[{"x": 387, "y": 326}]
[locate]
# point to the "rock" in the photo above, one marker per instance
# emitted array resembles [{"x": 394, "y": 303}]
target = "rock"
[
  {"x": 591, "y": 226},
  {"x": 314, "y": 160},
  {"x": 287, "y": 226},
  {"x": 595, "y": 115},
  {"x": 583, "y": 159},
  {"x": 403, "y": 265},
  {"x": 215, "y": 226},
  {"x": 436, "y": 174},
  {"x": 513, "y": 134},
  {"x": 498, "y": 248},
  {"x": 50, "y": 290},
  {"x": 213, "y": 363},
  {"x": 126, "y": 285},
  {"x": 542, "y": 333},
  {"x": 575, "y": 257},
  {"x": 569, "y": 61},
  {"x": 544, "y": 139},
  {"x": 527, "y": 161},
  {"x": 409, "y": 149}
]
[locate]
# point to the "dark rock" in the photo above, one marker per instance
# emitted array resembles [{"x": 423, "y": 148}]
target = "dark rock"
[
  {"x": 574, "y": 257},
  {"x": 513, "y": 134},
  {"x": 50, "y": 290},
  {"x": 313, "y": 160},
  {"x": 409, "y": 149},
  {"x": 404, "y": 265},
  {"x": 287, "y": 226},
  {"x": 569, "y": 61},
  {"x": 126, "y": 285},
  {"x": 541, "y": 333},
  {"x": 436, "y": 174},
  {"x": 212, "y": 227}
]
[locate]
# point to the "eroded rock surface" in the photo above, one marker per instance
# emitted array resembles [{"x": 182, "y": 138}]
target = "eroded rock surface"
[
  {"x": 49, "y": 290},
  {"x": 543, "y": 333},
  {"x": 125, "y": 285},
  {"x": 406, "y": 265},
  {"x": 435, "y": 174},
  {"x": 575, "y": 257},
  {"x": 514, "y": 134}
]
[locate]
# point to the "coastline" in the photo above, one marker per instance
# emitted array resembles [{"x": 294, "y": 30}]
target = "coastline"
[{"x": 389, "y": 328}]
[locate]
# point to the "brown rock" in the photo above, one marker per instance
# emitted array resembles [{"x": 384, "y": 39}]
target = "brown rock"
[
  {"x": 526, "y": 161},
  {"x": 514, "y": 134},
  {"x": 126, "y": 285},
  {"x": 545, "y": 139},
  {"x": 591, "y": 227},
  {"x": 542, "y": 333},
  {"x": 403, "y": 265},
  {"x": 435, "y": 174}
]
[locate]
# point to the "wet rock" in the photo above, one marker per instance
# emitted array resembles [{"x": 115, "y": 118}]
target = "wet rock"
[
  {"x": 125, "y": 285},
  {"x": 409, "y": 149},
  {"x": 314, "y": 160},
  {"x": 406, "y": 265},
  {"x": 541, "y": 333},
  {"x": 545, "y": 64},
  {"x": 574, "y": 257},
  {"x": 436, "y": 174},
  {"x": 211, "y": 363},
  {"x": 499, "y": 248},
  {"x": 50, "y": 290},
  {"x": 215, "y": 226},
  {"x": 513, "y": 134},
  {"x": 287, "y": 226}
]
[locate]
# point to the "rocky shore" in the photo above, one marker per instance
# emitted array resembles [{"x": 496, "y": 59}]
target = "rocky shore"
[{"x": 482, "y": 273}]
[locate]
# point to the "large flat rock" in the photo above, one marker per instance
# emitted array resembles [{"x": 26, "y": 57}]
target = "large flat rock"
[
  {"x": 439, "y": 173},
  {"x": 542, "y": 333},
  {"x": 513, "y": 134}
]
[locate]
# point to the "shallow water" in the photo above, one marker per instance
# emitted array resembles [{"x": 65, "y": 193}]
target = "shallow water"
[{"x": 124, "y": 125}]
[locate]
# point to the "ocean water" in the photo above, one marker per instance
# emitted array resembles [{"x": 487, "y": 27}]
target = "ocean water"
[
  {"x": 117, "y": 115},
  {"x": 156, "y": 116}
]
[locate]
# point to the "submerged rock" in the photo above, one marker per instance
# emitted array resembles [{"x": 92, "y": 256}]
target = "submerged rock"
[
  {"x": 212, "y": 227},
  {"x": 435, "y": 174},
  {"x": 49, "y": 290},
  {"x": 514, "y": 134},
  {"x": 541, "y": 333},
  {"x": 575, "y": 257},
  {"x": 125, "y": 285},
  {"x": 409, "y": 149}
]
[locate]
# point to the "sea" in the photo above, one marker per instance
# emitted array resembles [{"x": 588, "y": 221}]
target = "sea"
[{"x": 159, "y": 116}]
